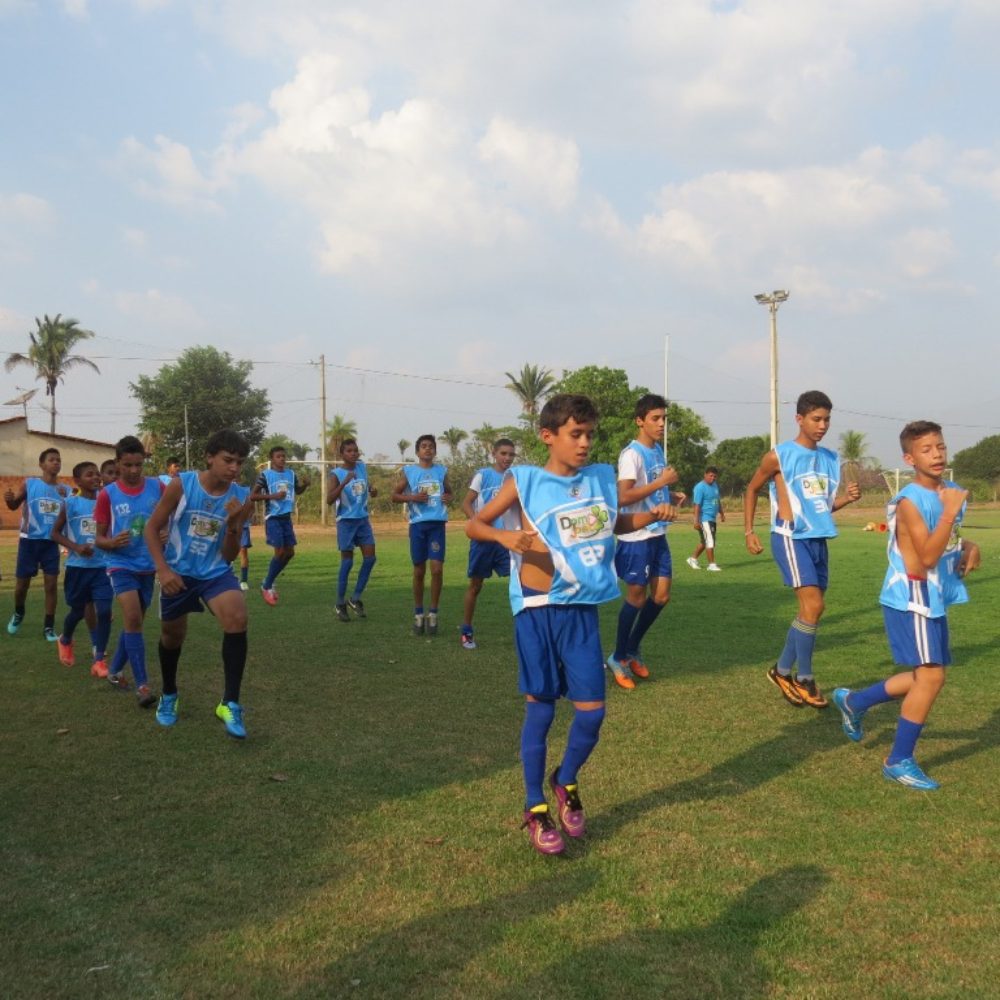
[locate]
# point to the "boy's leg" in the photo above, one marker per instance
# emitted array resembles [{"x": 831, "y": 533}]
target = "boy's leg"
[
  {"x": 437, "y": 582},
  {"x": 538, "y": 716},
  {"x": 926, "y": 685},
  {"x": 346, "y": 562},
  {"x": 364, "y": 574},
  {"x": 584, "y": 733},
  {"x": 21, "y": 585},
  {"x": 469, "y": 609},
  {"x": 658, "y": 599},
  {"x": 172, "y": 635},
  {"x": 230, "y": 609},
  {"x": 133, "y": 606}
]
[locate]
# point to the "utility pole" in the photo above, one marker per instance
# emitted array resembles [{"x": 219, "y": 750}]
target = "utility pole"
[
  {"x": 187, "y": 440},
  {"x": 322, "y": 438},
  {"x": 773, "y": 301},
  {"x": 666, "y": 387}
]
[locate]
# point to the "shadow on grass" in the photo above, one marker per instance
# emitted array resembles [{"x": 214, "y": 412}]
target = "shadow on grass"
[
  {"x": 975, "y": 741},
  {"x": 715, "y": 960}
]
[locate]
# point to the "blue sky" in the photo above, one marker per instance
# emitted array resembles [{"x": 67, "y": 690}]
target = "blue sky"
[{"x": 449, "y": 190}]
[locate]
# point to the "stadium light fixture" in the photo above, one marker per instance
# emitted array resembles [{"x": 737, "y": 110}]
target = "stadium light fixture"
[{"x": 773, "y": 300}]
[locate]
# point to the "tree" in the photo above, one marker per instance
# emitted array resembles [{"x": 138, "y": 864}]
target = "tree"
[
  {"x": 737, "y": 460},
  {"x": 531, "y": 387},
  {"x": 295, "y": 450},
  {"x": 217, "y": 393},
  {"x": 338, "y": 430},
  {"x": 981, "y": 461},
  {"x": 402, "y": 444},
  {"x": 51, "y": 355},
  {"x": 453, "y": 437},
  {"x": 854, "y": 452}
]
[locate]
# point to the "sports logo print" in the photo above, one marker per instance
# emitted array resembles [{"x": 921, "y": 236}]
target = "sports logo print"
[{"x": 586, "y": 524}]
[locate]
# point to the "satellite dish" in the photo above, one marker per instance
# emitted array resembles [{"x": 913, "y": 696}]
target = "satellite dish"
[{"x": 21, "y": 400}]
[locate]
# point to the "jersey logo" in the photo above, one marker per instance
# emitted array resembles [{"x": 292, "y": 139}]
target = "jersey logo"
[
  {"x": 814, "y": 486},
  {"x": 585, "y": 524}
]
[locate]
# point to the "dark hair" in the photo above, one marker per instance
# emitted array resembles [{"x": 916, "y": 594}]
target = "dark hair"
[
  {"x": 812, "y": 400},
  {"x": 227, "y": 440},
  {"x": 48, "y": 451},
  {"x": 276, "y": 448},
  {"x": 425, "y": 437},
  {"x": 712, "y": 468},
  {"x": 565, "y": 406},
  {"x": 80, "y": 466},
  {"x": 173, "y": 460},
  {"x": 107, "y": 462},
  {"x": 916, "y": 429},
  {"x": 129, "y": 445},
  {"x": 503, "y": 443},
  {"x": 651, "y": 401},
  {"x": 346, "y": 442}
]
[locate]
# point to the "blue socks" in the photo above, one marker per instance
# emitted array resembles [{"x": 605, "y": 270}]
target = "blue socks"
[
  {"x": 275, "y": 567},
  {"x": 120, "y": 658},
  {"x": 244, "y": 573},
  {"x": 626, "y": 621},
  {"x": 345, "y": 572},
  {"x": 799, "y": 645},
  {"x": 647, "y": 615},
  {"x": 583, "y": 735},
  {"x": 73, "y": 618},
  {"x": 102, "y": 633},
  {"x": 135, "y": 652},
  {"x": 538, "y": 716},
  {"x": 869, "y": 697},
  {"x": 907, "y": 734},
  {"x": 367, "y": 563}
]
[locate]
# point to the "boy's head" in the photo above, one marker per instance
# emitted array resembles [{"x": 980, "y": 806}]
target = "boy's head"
[
  {"x": 566, "y": 427},
  {"x": 924, "y": 448},
  {"x": 109, "y": 470},
  {"x": 131, "y": 458},
  {"x": 566, "y": 406},
  {"x": 50, "y": 462},
  {"x": 225, "y": 452},
  {"x": 173, "y": 465},
  {"x": 426, "y": 447},
  {"x": 276, "y": 456},
  {"x": 87, "y": 476},
  {"x": 812, "y": 400},
  {"x": 651, "y": 401},
  {"x": 812, "y": 414},
  {"x": 711, "y": 474},
  {"x": 349, "y": 450},
  {"x": 651, "y": 416},
  {"x": 504, "y": 453}
]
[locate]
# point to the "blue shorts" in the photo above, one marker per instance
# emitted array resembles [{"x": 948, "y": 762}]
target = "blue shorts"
[
  {"x": 245, "y": 542},
  {"x": 916, "y": 640},
  {"x": 354, "y": 531},
  {"x": 559, "y": 652},
  {"x": 33, "y": 553},
  {"x": 83, "y": 584},
  {"x": 803, "y": 561},
  {"x": 639, "y": 562},
  {"x": 124, "y": 580},
  {"x": 196, "y": 595},
  {"x": 426, "y": 541},
  {"x": 279, "y": 532},
  {"x": 487, "y": 558}
]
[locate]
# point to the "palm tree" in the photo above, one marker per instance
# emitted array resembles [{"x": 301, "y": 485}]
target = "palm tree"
[
  {"x": 453, "y": 438},
  {"x": 402, "y": 444},
  {"x": 531, "y": 386},
  {"x": 854, "y": 452},
  {"x": 337, "y": 431},
  {"x": 51, "y": 355}
]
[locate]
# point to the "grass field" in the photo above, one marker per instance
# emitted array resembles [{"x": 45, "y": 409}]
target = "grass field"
[{"x": 364, "y": 841}]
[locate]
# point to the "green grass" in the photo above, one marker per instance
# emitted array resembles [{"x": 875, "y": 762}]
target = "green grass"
[{"x": 364, "y": 841}]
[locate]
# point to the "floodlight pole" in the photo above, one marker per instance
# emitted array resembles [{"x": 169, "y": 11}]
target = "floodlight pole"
[
  {"x": 773, "y": 300},
  {"x": 322, "y": 440}
]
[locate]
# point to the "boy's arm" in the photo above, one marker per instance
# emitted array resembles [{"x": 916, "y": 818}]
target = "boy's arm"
[
  {"x": 400, "y": 494},
  {"x": 102, "y": 515},
  {"x": 13, "y": 500},
  {"x": 970, "y": 558},
  {"x": 237, "y": 513},
  {"x": 766, "y": 471},
  {"x": 446, "y": 494},
  {"x": 629, "y": 493},
  {"x": 60, "y": 539},
  {"x": 336, "y": 485},
  {"x": 480, "y": 527},
  {"x": 852, "y": 493},
  {"x": 925, "y": 548},
  {"x": 626, "y": 523},
  {"x": 170, "y": 582},
  {"x": 301, "y": 485},
  {"x": 469, "y": 504}
]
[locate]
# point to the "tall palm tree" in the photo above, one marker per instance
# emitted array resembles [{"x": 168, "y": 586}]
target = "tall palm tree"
[
  {"x": 402, "y": 444},
  {"x": 854, "y": 452},
  {"x": 453, "y": 438},
  {"x": 337, "y": 431},
  {"x": 51, "y": 355},
  {"x": 531, "y": 387}
]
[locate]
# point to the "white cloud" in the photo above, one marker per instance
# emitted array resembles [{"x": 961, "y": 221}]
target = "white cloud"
[
  {"x": 135, "y": 239},
  {"x": 168, "y": 172},
  {"x": 77, "y": 9},
  {"x": 25, "y": 208},
  {"x": 157, "y": 309}
]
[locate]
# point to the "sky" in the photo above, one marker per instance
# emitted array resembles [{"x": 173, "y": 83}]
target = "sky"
[{"x": 432, "y": 194}]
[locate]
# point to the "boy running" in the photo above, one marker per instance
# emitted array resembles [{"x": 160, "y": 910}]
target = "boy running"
[
  {"x": 42, "y": 497},
  {"x": 803, "y": 480},
  {"x": 425, "y": 491},
  {"x": 121, "y": 513},
  {"x": 485, "y": 558},
  {"x": 642, "y": 559},
  {"x": 927, "y": 561},
  {"x": 560, "y": 522},
  {"x": 279, "y": 486},
  {"x": 707, "y": 507},
  {"x": 349, "y": 490},
  {"x": 205, "y": 512},
  {"x": 85, "y": 580}
]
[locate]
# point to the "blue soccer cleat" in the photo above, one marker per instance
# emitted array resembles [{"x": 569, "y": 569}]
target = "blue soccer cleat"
[
  {"x": 621, "y": 672},
  {"x": 850, "y": 720},
  {"x": 907, "y": 772},
  {"x": 15, "y": 623},
  {"x": 166, "y": 711},
  {"x": 232, "y": 715}
]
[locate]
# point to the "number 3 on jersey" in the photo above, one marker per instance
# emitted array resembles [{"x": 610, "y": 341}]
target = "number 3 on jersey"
[{"x": 591, "y": 555}]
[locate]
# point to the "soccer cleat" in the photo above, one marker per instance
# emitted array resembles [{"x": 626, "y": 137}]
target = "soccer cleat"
[
  {"x": 786, "y": 685},
  {"x": 850, "y": 720},
  {"x": 714, "y": 568},
  {"x": 99, "y": 668},
  {"x": 637, "y": 666},
  {"x": 811, "y": 695},
  {"x": 621, "y": 672},
  {"x": 341, "y": 612},
  {"x": 692, "y": 562},
  {"x": 418, "y": 624},
  {"x": 65, "y": 650},
  {"x": 166, "y": 711},
  {"x": 432, "y": 623},
  {"x": 50, "y": 634},
  {"x": 468, "y": 642},
  {"x": 118, "y": 681},
  {"x": 244, "y": 586},
  {"x": 357, "y": 606},
  {"x": 145, "y": 696},
  {"x": 545, "y": 838},
  {"x": 232, "y": 715},
  {"x": 571, "y": 815},
  {"x": 15, "y": 623},
  {"x": 270, "y": 596},
  {"x": 907, "y": 772}
]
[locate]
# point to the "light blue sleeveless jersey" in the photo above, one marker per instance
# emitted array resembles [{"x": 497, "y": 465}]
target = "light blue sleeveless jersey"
[
  {"x": 276, "y": 482},
  {"x": 811, "y": 476},
  {"x": 486, "y": 483},
  {"x": 81, "y": 528},
  {"x": 575, "y": 518},
  {"x": 353, "y": 500},
  {"x": 652, "y": 462},
  {"x": 198, "y": 528},
  {"x": 431, "y": 482},
  {"x": 944, "y": 585},
  {"x": 42, "y": 503},
  {"x": 130, "y": 514}
]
